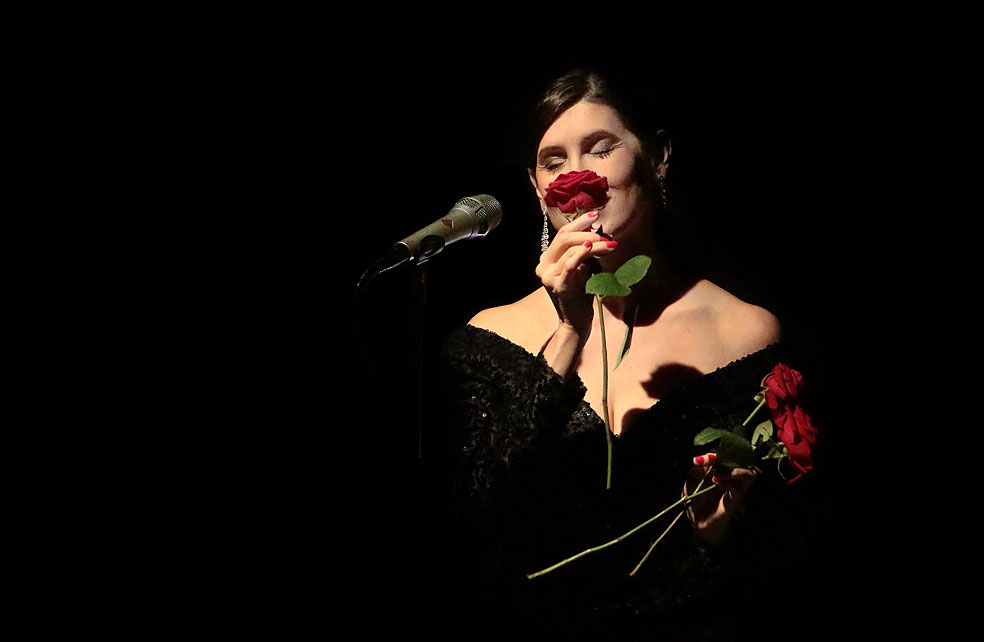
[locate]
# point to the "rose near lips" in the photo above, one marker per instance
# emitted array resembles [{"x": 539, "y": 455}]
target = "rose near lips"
[{"x": 575, "y": 193}]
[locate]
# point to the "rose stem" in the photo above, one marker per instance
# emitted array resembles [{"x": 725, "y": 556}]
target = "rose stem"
[
  {"x": 604, "y": 390},
  {"x": 672, "y": 524},
  {"x": 757, "y": 408},
  {"x": 658, "y": 540},
  {"x": 624, "y": 535}
]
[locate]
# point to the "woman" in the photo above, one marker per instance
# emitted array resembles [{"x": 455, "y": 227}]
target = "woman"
[
  {"x": 683, "y": 326},
  {"x": 529, "y": 401}
]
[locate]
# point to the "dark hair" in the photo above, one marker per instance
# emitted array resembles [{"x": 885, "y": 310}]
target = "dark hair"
[{"x": 635, "y": 109}]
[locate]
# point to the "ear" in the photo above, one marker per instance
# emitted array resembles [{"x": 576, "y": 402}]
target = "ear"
[
  {"x": 662, "y": 148},
  {"x": 536, "y": 188}
]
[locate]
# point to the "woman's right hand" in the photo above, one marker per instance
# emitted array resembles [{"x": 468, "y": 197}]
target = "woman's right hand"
[{"x": 564, "y": 271}]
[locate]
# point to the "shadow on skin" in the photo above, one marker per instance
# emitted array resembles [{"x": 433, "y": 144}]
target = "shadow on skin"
[{"x": 666, "y": 380}]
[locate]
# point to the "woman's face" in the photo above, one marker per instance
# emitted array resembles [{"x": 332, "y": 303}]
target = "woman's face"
[{"x": 591, "y": 136}]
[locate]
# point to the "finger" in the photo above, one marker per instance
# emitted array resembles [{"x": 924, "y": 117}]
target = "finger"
[
  {"x": 557, "y": 266},
  {"x": 553, "y": 260},
  {"x": 737, "y": 480},
  {"x": 564, "y": 242},
  {"x": 576, "y": 259},
  {"x": 577, "y": 254},
  {"x": 699, "y": 509},
  {"x": 587, "y": 250},
  {"x": 580, "y": 223},
  {"x": 705, "y": 460},
  {"x": 572, "y": 234},
  {"x": 601, "y": 245},
  {"x": 697, "y": 478}
]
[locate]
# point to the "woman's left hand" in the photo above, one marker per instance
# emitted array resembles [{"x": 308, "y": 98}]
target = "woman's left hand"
[{"x": 711, "y": 513}]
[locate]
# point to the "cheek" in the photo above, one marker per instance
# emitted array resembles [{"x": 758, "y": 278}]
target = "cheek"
[
  {"x": 623, "y": 175},
  {"x": 541, "y": 185}
]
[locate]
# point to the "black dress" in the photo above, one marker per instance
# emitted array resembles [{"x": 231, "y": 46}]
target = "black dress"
[{"x": 530, "y": 461}]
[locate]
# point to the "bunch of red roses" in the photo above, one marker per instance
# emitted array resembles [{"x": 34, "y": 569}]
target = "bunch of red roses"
[
  {"x": 791, "y": 444},
  {"x": 788, "y": 436},
  {"x": 796, "y": 430}
]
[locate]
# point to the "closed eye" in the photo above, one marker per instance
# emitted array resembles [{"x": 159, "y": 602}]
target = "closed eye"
[
  {"x": 600, "y": 144},
  {"x": 605, "y": 150}
]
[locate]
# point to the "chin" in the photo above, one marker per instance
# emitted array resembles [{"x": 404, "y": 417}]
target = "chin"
[{"x": 611, "y": 224}]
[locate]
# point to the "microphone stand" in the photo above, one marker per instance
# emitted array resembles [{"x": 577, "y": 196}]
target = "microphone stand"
[
  {"x": 405, "y": 478},
  {"x": 416, "y": 338},
  {"x": 415, "y": 334}
]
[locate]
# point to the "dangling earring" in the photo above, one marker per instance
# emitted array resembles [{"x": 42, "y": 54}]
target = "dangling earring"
[
  {"x": 661, "y": 191},
  {"x": 545, "y": 239}
]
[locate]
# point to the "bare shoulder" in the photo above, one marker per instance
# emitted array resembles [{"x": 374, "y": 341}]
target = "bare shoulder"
[
  {"x": 743, "y": 327},
  {"x": 526, "y": 322}
]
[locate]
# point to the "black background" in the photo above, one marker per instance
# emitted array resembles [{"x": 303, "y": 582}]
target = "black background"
[
  {"x": 789, "y": 173},
  {"x": 761, "y": 177}
]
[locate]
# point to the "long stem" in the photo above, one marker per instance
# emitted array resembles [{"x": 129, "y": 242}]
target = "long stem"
[
  {"x": 672, "y": 524},
  {"x": 604, "y": 390},
  {"x": 658, "y": 540},
  {"x": 623, "y": 536}
]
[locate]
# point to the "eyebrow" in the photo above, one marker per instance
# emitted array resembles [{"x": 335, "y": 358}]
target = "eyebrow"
[{"x": 593, "y": 137}]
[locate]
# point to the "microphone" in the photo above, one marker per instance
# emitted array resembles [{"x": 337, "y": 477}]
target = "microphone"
[{"x": 471, "y": 217}]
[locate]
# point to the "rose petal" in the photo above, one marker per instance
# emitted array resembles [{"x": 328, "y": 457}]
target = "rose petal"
[
  {"x": 804, "y": 425},
  {"x": 583, "y": 190}
]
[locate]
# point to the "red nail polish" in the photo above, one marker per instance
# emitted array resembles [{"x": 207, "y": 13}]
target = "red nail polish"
[
  {"x": 593, "y": 214},
  {"x": 587, "y": 244},
  {"x": 699, "y": 461},
  {"x": 714, "y": 479},
  {"x": 711, "y": 457},
  {"x": 612, "y": 243}
]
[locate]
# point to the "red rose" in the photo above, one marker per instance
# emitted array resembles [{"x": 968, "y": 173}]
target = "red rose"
[
  {"x": 574, "y": 191},
  {"x": 796, "y": 430}
]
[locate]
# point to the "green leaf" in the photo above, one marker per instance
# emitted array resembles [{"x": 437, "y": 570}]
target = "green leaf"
[
  {"x": 763, "y": 431},
  {"x": 707, "y": 435},
  {"x": 734, "y": 452},
  {"x": 627, "y": 340},
  {"x": 633, "y": 270},
  {"x": 741, "y": 430},
  {"x": 605, "y": 284}
]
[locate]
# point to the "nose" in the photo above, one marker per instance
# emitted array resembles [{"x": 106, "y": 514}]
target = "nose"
[{"x": 580, "y": 163}]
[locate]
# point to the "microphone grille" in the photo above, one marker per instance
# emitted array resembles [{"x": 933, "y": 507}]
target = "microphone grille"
[
  {"x": 468, "y": 201},
  {"x": 490, "y": 212},
  {"x": 486, "y": 208}
]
